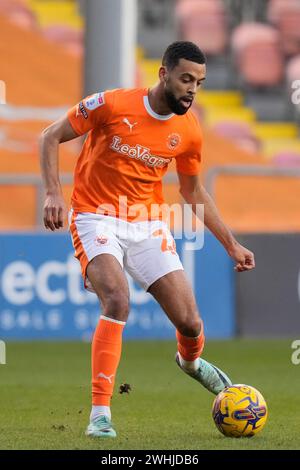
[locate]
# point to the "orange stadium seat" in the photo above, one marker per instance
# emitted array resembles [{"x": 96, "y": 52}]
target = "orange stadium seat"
[
  {"x": 204, "y": 23},
  {"x": 257, "y": 54},
  {"x": 285, "y": 15},
  {"x": 50, "y": 76}
]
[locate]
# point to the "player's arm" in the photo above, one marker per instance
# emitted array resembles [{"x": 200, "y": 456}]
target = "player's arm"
[
  {"x": 54, "y": 207},
  {"x": 194, "y": 193}
]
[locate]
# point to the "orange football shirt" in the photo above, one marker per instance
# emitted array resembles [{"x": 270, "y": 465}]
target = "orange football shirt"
[{"x": 127, "y": 152}]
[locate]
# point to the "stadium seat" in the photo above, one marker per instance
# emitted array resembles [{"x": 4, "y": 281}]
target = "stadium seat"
[
  {"x": 285, "y": 15},
  {"x": 287, "y": 159},
  {"x": 44, "y": 66},
  {"x": 64, "y": 35},
  {"x": 8, "y": 6},
  {"x": 60, "y": 33},
  {"x": 272, "y": 147},
  {"x": 213, "y": 115},
  {"x": 257, "y": 54},
  {"x": 240, "y": 133},
  {"x": 17, "y": 12},
  {"x": 272, "y": 130},
  {"x": 219, "y": 98},
  {"x": 52, "y": 12},
  {"x": 233, "y": 129},
  {"x": 204, "y": 23}
]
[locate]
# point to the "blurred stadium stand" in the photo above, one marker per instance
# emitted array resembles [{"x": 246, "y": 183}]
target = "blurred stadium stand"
[{"x": 246, "y": 108}]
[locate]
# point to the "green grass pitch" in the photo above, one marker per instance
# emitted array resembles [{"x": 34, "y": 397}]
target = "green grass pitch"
[{"x": 45, "y": 396}]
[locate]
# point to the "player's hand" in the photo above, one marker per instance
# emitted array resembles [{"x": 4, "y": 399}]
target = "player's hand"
[
  {"x": 243, "y": 257},
  {"x": 55, "y": 211}
]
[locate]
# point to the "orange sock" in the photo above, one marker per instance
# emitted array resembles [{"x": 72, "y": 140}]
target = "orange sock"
[
  {"x": 106, "y": 354},
  {"x": 188, "y": 347}
]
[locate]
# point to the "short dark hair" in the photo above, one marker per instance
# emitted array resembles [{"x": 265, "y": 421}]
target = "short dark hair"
[{"x": 182, "y": 50}]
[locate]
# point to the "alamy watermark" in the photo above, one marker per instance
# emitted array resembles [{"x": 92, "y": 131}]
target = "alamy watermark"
[
  {"x": 2, "y": 352},
  {"x": 296, "y": 94},
  {"x": 187, "y": 222},
  {"x": 295, "y": 357}
]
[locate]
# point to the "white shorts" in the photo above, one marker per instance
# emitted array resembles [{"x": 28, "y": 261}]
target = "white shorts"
[{"x": 145, "y": 249}]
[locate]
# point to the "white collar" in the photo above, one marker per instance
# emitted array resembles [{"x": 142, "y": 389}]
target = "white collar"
[{"x": 161, "y": 117}]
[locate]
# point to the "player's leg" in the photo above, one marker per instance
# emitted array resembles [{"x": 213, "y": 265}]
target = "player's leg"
[
  {"x": 174, "y": 293},
  {"x": 100, "y": 254},
  {"x": 110, "y": 284},
  {"x": 98, "y": 248}
]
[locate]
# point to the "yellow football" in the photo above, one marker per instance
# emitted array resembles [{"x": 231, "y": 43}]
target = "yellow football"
[{"x": 240, "y": 411}]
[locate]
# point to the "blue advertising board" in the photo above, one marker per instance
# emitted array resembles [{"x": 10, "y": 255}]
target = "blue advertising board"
[{"x": 42, "y": 294}]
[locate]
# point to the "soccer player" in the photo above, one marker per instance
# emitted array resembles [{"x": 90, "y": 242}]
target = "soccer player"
[{"x": 132, "y": 136}]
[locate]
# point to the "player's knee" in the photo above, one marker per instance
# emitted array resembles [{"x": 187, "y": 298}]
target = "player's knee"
[
  {"x": 116, "y": 306},
  {"x": 190, "y": 327}
]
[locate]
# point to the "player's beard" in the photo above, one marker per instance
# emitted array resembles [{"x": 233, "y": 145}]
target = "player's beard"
[{"x": 174, "y": 104}]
